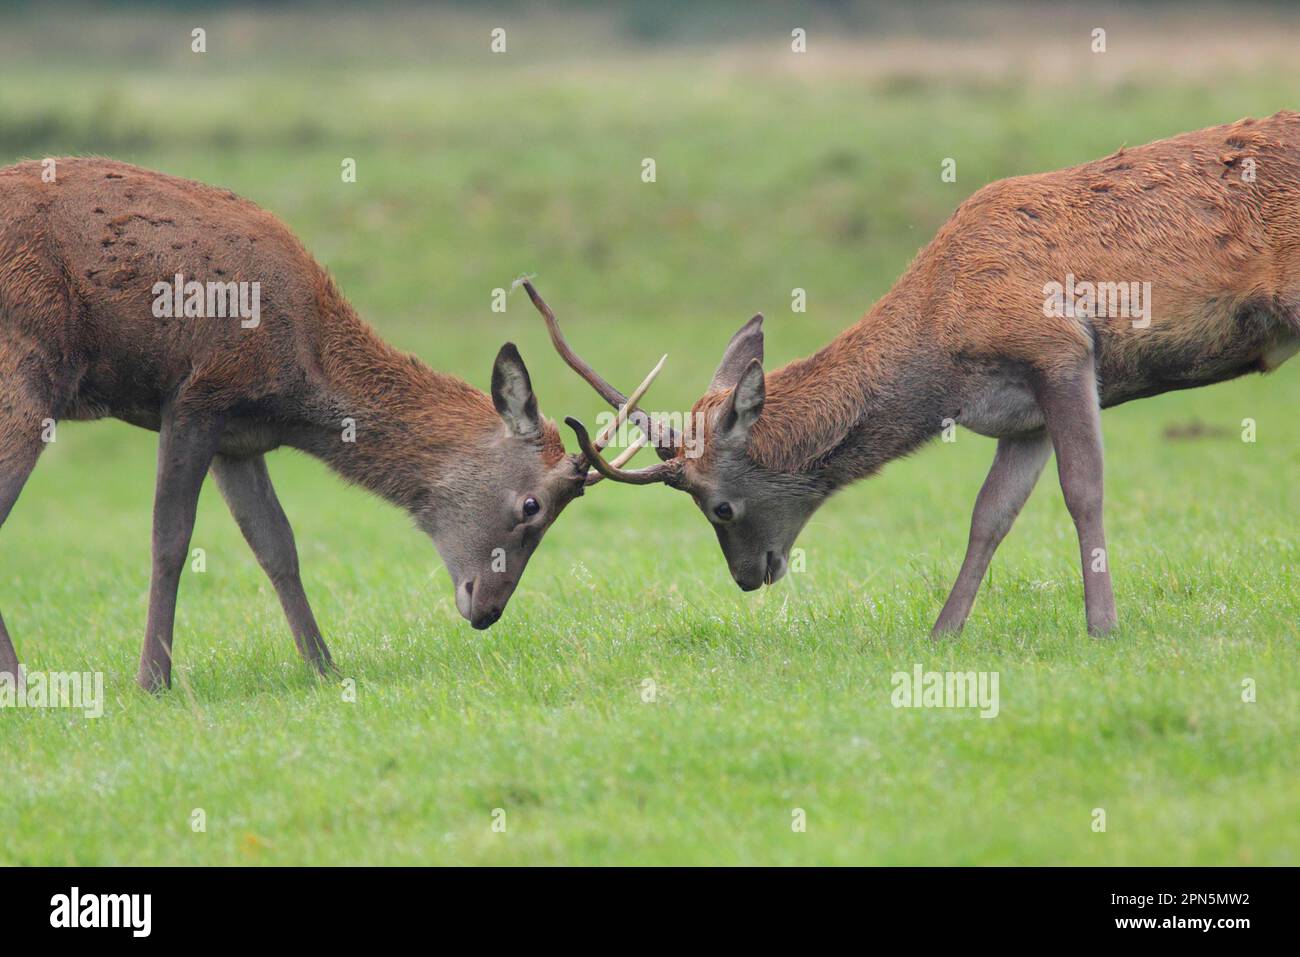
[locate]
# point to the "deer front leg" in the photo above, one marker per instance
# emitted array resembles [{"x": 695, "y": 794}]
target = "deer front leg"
[
  {"x": 21, "y": 447},
  {"x": 185, "y": 449},
  {"x": 1073, "y": 416},
  {"x": 246, "y": 486},
  {"x": 1016, "y": 466}
]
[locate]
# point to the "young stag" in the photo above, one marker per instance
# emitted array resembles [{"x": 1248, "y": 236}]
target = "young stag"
[
  {"x": 980, "y": 330},
  {"x": 107, "y": 308}
]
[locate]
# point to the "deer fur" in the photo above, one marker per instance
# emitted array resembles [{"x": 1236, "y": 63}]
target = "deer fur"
[
  {"x": 1211, "y": 219},
  {"x": 79, "y": 257}
]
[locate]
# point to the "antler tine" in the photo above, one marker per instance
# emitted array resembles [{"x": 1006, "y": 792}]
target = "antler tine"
[
  {"x": 660, "y": 472},
  {"x": 626, "y": 455},
  {"x": 621, "y": 459},
  {"x": 668, "y": 442},
  {"x": 575, "y": 362},
  {"x": 602, "y": 439},
  {"x": 605, "y": 434}
]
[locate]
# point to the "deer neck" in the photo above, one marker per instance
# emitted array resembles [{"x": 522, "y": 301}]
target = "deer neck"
[
  {"x": 384, "y": 420},
  {"x": 876, "y": 393}
]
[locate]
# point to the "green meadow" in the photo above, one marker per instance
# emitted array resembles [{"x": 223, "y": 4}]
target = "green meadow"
[{"x": 633, "y": 706}]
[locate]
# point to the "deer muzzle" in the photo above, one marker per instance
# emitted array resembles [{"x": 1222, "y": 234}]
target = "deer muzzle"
[{"x": 482, "y": 603}]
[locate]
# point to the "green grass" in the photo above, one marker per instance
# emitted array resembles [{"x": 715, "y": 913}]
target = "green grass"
[{"x": 475, "y": 171}]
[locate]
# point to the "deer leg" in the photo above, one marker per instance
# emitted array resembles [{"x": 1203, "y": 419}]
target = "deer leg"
[
  {"x": 186, "y": 446},
  {"x": 246, "y": 486},
  {"x": 18, "y": 454},
  {"x": 1016, "y": 466},
  {"x": 1072, "y": 413}
]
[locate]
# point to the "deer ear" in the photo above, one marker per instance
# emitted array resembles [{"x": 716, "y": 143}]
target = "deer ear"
[
  {"x": 512, "y": 392},
  {"x": 745, "y": 346},
  {"x": 745, "y": 403}
]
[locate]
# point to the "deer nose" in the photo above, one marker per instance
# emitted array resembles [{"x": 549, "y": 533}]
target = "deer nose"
[
  {"x": 486, "y": 619},
  {"x": 480, "y": 618},
  {"x": 749, "y": 579}
]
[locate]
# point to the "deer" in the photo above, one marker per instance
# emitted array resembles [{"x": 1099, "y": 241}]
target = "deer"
[
  {"x": 107, "y": 309},
  {"x": 996, "y": 326}
]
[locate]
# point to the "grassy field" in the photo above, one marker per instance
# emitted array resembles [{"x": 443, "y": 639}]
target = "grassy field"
[{"x": 821, "y": 173}]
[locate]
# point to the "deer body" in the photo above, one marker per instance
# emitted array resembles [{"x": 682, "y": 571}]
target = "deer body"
[
  {"x": 963, "y": 331},
  {"x": 969, "y": 334},
  {"x": 80, "y": 338}
]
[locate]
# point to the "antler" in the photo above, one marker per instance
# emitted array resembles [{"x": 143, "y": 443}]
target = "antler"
[
  {"x": 661, "y": 472},
  {"x": 602, "y": 439},
  {"x": 625, "y": 408},
  {"x": 669, "y": 441}
]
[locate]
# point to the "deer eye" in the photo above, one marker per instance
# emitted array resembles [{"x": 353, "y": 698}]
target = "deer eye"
[
  {"x": 531, "y": 506},
  {"x": 723, "y": 511}
]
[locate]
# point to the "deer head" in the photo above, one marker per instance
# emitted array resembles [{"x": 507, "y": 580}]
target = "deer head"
[
  {"x": 498, "y": 502},
  {"x": 756, "y": 512}
]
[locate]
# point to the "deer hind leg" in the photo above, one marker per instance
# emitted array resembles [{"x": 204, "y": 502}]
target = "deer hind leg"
[
  {"x": 1016, "y": 466},
  {"x": 1073, "y": 416},
  {"x": 246, "y": 486},
  {"x": 186, "y": 446}
]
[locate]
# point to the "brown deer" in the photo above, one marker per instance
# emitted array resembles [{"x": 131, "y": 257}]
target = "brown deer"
[
  {"x": 96, "y": 321},
  {"x": 980, "y": 331}
]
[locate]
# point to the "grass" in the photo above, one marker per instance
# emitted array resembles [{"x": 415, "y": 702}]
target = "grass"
[{"x": 474, "y": 171}]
